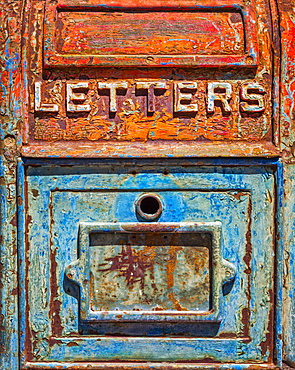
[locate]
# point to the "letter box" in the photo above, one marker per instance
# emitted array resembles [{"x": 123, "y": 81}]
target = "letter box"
[{"x": 147, "y": 185}]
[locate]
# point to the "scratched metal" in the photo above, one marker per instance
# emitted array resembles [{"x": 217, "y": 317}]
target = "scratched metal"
[
  {"x": 58, "y": 198},
  {"x": 10, "y": 122},
  {"x": 287, "y": 232},
  {"x": 287, "y": 77},
  {"x": 202, "y": 83},
  {"x": 150, "y": 272},
  {"x": 133, "y": 33},
  {"x": 150, "y": 33},
  {"x": 224, "y": 93},
  {"x": 286, "y": 110}
]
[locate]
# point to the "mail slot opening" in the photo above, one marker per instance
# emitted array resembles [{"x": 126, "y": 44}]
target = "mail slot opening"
[
  {"x": 145, "y": 283},
  {"x": 142, "y": 31},
  {"x": 129, "y": 272},
  {"x": 116, "y": 33},
  {"x": 149, "y": 207}
]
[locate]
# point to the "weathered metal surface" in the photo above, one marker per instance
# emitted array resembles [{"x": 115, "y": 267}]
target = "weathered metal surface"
[
  {"x": 150, "y": 272},
  {"x": 10, "y": 123},
  {"x": 62, "y": 196},
  {"x": 165, "y": 103},
  {"x": 150, "y": 33},
  {"x": 146, "y": 79},
  {"x": 145, "y": 366},
  {"x": 146, "y": 32},
  {"x": 162, "y": 107},
  {"x": 287, "y": 26},
  {"x": 286, "y": 13},
  {"x": 289, "y": 266}
]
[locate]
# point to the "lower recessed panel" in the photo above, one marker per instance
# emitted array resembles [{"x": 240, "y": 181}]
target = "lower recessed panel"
[{"x": 195, "y": 284}]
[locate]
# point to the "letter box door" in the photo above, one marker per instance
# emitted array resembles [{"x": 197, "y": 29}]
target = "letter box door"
[
  {"x": 125, "y": 263},
  {"x": 130, "y": 258}
]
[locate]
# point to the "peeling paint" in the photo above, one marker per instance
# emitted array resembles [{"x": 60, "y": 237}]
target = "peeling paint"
[{"x": 108, "y": 85}]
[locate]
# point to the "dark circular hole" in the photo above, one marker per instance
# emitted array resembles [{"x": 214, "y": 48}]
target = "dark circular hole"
[{"x": 149, "y": 205}]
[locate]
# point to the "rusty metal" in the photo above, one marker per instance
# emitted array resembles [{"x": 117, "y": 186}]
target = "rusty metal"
[
  {"x": 150, "y": 272},
  {"x": 129, "y": 239},
  {"x": 224, "y": 100}
]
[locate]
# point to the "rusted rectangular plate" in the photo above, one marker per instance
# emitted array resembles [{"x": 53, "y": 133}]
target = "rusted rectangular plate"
[
  {"x": 122, "y": 272},
  {"x": 133, "y": 32},
  {"x": 176, "y": 33},
  {"x": 150, "y": 272},
  {"x": 142, "y": 110}
]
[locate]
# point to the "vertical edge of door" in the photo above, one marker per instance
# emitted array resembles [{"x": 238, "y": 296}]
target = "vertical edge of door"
[
  {"x": 10, "y": 121},
  {"x": 289, "y": 264},
  {"x": 286, "y": 234}
]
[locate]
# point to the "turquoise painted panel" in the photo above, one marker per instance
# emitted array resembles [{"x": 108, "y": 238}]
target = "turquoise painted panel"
[
  {"x": 59, "y": 199},
  {"x": 11, "y": 115},
  {"x": 288, "y": 237}
]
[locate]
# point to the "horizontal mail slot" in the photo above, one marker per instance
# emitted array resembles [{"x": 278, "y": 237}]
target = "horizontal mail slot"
[
  {"x": 149, "y": 32},
  {"x": 150, "y": 271},
  {"x": 134, "y": 271},
  {"x": 184, "y": 34}
]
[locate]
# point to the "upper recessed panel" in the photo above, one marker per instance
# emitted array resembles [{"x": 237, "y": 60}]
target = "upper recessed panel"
[
  {"x": 149, "y": 32},
  {"x": 173, "y": 33}
]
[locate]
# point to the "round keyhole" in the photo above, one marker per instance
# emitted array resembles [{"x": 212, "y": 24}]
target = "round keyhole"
[{"x": 149, "y": 207}]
